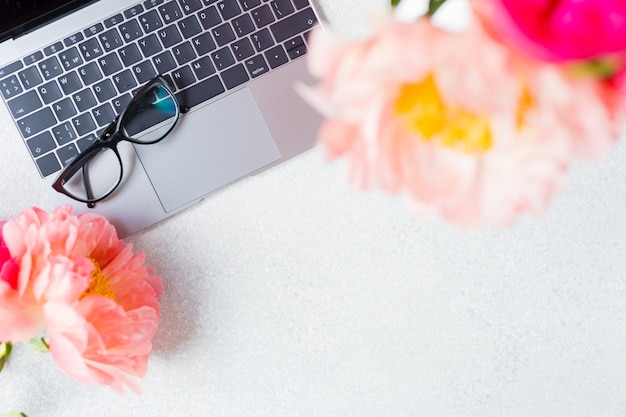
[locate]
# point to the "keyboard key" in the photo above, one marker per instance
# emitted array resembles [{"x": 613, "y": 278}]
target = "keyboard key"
[
  {"x": 120, "y": 103},
  {"x": 74, "y": 39},
  {"x": 32, "y": 58},
  {"x": 201, "y": 92},
  {"x": 235, "y": 76},
  {"x": 189, "y": 27},
  {"x": 93, "y": 30},
  {"x": 110, "y": 39},
  {"x": 50, "y": 92},
  {"x": 150, "y": 45},
  {"x": 84, "y": 99},
  {"x": 30, "y": 77},
  {"x": 86, "y": 142},
  {"x": 130, "y": 54},
  {"x": 50, "y": 68},
  {"x": 151, "y": 3},
  {"x": 249, "y": 4},
  {"x": 109, "y": 64},
  {"x": 70, "y": 58},
  {"x": 103, "y": 114},
  {"x": 170, "y": 12},
  {"x": 133, "y": 11},
  {"x": 301, "y": 4},
  {"x": 164, "y": 62},
  {"x": 84, "y": 124},
  {"x": 64, "y": 109},
  {"x": 67, "y": 153},
  {"x": 150, "y": 21},
  {"x": 124, "y": 81},
  {"x": 228, "y": 9},
  {"x": 11, "y": 68},
  {"x": 262, "y": 16},
  {"x": 41, "y": 144},
  {"x": 130, "y": 30},
  {"x": 222, "y": 58},
  {"x": 90, "y": 49},
  {"x": 113, "y": 20},
  {"x": 36, "y": 122},
  {"x": 276, "y": 56},
  {"x": 262, "y": 40},
  {"x": 190, "y": 6},
  {"x": 170, "y": 36},
  {"x": 223, "y": 34},
  {"x": 203, "y": 43},
  {"x": 90, "y": 73},
  {"x": 293, "y": 25},
  {"x": 48, "y": 164},
  {"x": 144, "y": 72},
  {"x": 53, "y": 49},
  {"x": 70, "y": 82},
  {"x": 24, "y": 104},
  {"x": 183, "y": 77},
  {"x": 10, "y": 87},
  {"x": 242, "y": 49},
  {"x": 282, "y": 8},
  {"x": 64, "y": 133},
  {"x": 203, "y": 67},
  {"x": 183, "y": 53},
  {"x": 104, "y": 90},
  {"x": 209, "y": 17},
  {"x": 257, "y": 66},
  {"x": 295, "y": 47},
  {"x": 243, "y": 25}
]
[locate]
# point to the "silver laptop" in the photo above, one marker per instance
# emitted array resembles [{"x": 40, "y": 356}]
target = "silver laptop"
[{"x": 68, "y": 68}]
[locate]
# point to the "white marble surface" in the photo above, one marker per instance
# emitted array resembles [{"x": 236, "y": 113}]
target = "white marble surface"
[{"x": 289, "y": 294}]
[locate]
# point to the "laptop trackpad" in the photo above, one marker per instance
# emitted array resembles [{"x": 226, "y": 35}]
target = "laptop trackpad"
[{"x": 208, "y": 149}]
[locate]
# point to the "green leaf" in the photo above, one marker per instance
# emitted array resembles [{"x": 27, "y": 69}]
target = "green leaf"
[
  {"x": 5, "y": 351},
  {"x": 14, "y": 414},
  {"x": 596, "y": 68},
  {"x": 395, "y": 2},
  {"x": 39, "y": 344},
  {"x": 433, "y": 6}
]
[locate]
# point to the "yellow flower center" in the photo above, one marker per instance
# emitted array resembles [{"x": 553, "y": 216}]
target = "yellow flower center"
[
  {"x": 99, "y": 284},
  {"x": 426, "y": 114}
]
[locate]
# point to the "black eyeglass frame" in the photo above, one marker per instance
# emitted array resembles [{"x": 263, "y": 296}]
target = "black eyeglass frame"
[{"x": 109, "y": 138}]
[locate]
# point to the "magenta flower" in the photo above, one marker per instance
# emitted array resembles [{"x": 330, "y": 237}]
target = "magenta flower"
[{"x": 563, "y": 30}]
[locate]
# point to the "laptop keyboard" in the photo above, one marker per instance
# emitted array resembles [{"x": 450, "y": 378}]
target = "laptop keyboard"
[{"x": 63, "y": 95}]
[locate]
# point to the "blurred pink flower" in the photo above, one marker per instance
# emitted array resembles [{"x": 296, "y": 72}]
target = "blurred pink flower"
[
  {"x": 95, "y": 298},
  {"x": 561, "y": 30},
  {"x": 458, "y": 122}
]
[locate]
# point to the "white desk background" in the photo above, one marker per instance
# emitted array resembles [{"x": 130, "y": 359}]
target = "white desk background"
[{"x": 290, "y": 294}]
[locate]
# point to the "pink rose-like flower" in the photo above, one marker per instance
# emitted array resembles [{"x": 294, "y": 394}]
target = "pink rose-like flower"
[
  {"x": 95, "y": 298},
  {"x": 457, "y": 122},
  {"x": 562, "y": 30}
]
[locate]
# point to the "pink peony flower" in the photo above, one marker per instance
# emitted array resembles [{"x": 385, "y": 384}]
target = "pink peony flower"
[
  {"x": 562, "y": 30},
  {"x": 458, "y": 122},
  {"x": 96, "y": 299},
  {"x": 43, "y": 253}
]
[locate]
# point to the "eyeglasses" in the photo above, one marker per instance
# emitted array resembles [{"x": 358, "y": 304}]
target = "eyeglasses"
[{"x": 97, "y": 172}]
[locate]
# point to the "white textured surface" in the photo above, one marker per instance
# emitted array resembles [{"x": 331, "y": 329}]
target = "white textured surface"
[{"x": 289, "y": 294}]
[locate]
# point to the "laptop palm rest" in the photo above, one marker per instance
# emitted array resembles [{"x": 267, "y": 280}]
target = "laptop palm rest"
[{"x": 208, "y": 149}]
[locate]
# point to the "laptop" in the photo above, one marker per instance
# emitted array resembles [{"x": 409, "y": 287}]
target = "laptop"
[{"x": 68, "y": 67}]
